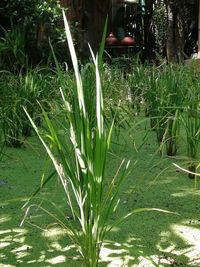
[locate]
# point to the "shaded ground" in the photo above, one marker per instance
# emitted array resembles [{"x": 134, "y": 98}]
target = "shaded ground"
[{"x": 146, "y": 239}]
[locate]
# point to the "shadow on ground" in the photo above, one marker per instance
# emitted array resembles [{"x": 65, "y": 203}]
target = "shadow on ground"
[{"x": 147, "y": 239}]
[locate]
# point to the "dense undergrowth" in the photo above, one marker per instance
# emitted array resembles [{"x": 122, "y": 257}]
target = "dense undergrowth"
[{"x": 167, "y": 94}]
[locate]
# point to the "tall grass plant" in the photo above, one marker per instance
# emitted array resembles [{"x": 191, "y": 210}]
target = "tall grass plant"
[
  {"x": 164, "y": 96},
  {"x": 18, "y": 91},
  {"x": 82, "y": 174},
  {"x": 191, "y": 121}
]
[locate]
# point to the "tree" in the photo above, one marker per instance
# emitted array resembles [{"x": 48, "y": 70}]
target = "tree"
[
  {"x": 93, "y": 20},
  {"x": 89, "y": 16},
  {"x": 175, "y": 29},
  {"x": 39, "y": 21},
  {"x": 175, "y": 25}
]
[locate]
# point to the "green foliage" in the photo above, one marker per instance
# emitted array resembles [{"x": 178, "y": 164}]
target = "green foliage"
[
  {"x": 37, "y": 21},
  {"x": 160, "y": 25},
  {"x": 164, "y": 97},
  {"x": 29, "y": 12},
  {"x": 191, "y": 119},
  {"x": 12, "y": 50},
  {"x": 170, "y": 96},
  {"x": 116, "y": 95},
  {"x": 82, "y": 174},
  {"x": 191, "y": 122},
  {"x": 19, "y": 91},
  {"x": 78, "y": 146}
]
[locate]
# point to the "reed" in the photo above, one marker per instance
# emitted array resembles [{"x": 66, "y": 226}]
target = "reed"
[
  {"x": 23, "y": 90},
  {"x": 86, "y": 139}
]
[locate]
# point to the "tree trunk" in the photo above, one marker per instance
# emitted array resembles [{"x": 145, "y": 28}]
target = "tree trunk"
[
  {"x": 170, "y": 33},
  {"x": 93, "y": 20},
  {"x": 175, "y": 30},
  {"x": 91, "y": 16},
  {"x": 179, "y": 30},
  {"x": 149, "y": 39}
]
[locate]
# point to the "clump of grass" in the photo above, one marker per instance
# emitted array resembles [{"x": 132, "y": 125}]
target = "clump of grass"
[
  {"x": 137, "y": 84},
  {"x": 10, "y": 106},
  {"x": 191, "y": 121},
  {"x": 12, "y": 49},
  {"x": 78, "y": 147},
  {"x": 83, "y": 173},
  {"x": 18, "y": 91},
  {"x": 164, "y": 97}
]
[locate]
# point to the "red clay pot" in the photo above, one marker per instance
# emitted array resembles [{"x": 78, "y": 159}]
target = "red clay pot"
[
  {"x": 128, "y": 41},
  {"x": 111, "y": 40}
]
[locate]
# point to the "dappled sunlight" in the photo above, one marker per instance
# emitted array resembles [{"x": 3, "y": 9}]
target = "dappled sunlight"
[
  {"x": 115, "y": 256},
  {"x": 6, "y": 265},
  {"x": 177, "y": 244},
  {"x": 57, "y": 260},
  {"x": 153, "y": 261},
  {"x": 15, "y": 244},
  {"x": 55, "y": 246},
  {"x": 122, "y": 255},
  {"x": 186, "y": 192},
  {"x": 4, "y": 244},
  {"x": 23, "y": 248},
  {"x": 16, "y": 235},
  {"x": 166, "y": 180},
  {"x": 40, "y": 259},
  {"x": 53, "y": 232},
  {"x": 165, "y": 244},
  {"x": 14, "y": 238},
  {"x": 5, "y": 218},
  {"x": 53, "y": 235},
  {"x": 191, "y": 236}
]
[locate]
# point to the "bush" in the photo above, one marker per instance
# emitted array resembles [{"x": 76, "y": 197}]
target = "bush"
[{"x": 38, "y": 20}]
